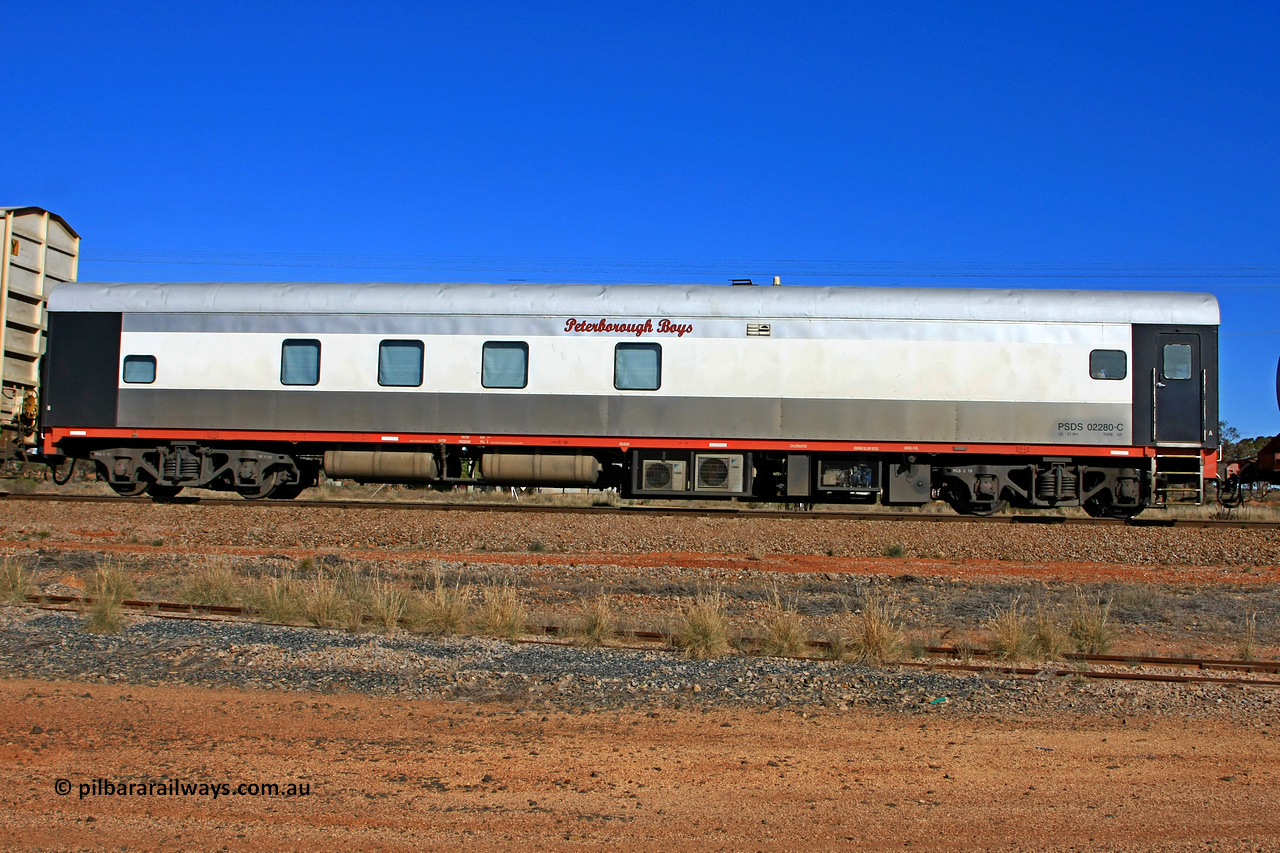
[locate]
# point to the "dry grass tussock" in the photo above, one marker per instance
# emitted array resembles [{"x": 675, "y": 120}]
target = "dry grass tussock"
[
  {"x": 353, "y": 598},
  {"x": 440, "y": 611},
  {"x": 1267, "y": 511},
  {"x": 212, "y": 583},
  {"x": 279, "y": 599},
  {"x": 1009, "y": 632},
  {"x": 598, "y": 626},
  {"x": 1247, "y": 645},
  {"x": 15, "y": 581},
  {"x": 873, "y": 634},
  {"x": 785, "y": 633},
  {"x": 1090, "y": 626},
  {"x": 500, "y": 612},
  {"x": 110, "y": 587},
  {"x": 703, "y": 629},
  {"x": 1050, "y": 638},
  {"x": 323, "y": 602},
  {"x": 387, "y": 605},
  {"x": 1012, "y": 634}
]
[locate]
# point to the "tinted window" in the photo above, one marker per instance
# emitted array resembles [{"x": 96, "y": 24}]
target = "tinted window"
[
  {"x": 1108, "y": 364},
  {"x": 637, "y": 367},
  {"x": 1177, "y": 361},
  {"x": 400, "y": 363},
  {"x": 140, "y": 369},
  {"x": 300, "y": 363},
  {"x": 505, "y": 364}
]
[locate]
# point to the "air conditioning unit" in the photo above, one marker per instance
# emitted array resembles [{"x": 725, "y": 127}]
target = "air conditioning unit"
[
  {"x": 658, "y": 475},
  {"x": 718, "y": 472}
]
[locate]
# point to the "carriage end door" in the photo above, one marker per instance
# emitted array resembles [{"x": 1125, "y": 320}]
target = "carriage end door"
[{"x": 1179, "y": 387}]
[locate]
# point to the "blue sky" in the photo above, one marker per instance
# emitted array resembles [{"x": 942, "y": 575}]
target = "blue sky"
[{"x": 1123, "y": 146}]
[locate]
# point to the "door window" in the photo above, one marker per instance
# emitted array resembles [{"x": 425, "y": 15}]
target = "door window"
[{"x": 1177, "y": 361}]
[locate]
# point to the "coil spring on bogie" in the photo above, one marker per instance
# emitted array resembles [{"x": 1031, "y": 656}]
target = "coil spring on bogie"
[
  {"x": 1059, "y": 483},
  {"x": 180, "y": 466}
]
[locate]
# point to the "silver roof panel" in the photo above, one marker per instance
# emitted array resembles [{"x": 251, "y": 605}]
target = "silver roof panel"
[{"x": 643, "y": 300}]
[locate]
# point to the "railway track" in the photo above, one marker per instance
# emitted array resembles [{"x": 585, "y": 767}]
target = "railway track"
[
  {"x": 949, "y": 658},
  {"x": 730, "y": 511}
]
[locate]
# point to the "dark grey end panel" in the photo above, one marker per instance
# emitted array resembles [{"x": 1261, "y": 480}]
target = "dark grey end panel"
[
  {"x": 1209, "y": 356},
  {"x": 1146, "y": 363},
  {"x": 80, "y": 369}
]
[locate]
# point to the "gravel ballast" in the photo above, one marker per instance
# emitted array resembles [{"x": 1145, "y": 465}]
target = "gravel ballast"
[{"x": 157, "y": 651}]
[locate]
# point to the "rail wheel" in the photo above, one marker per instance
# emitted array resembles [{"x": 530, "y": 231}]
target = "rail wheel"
[
  {"x": 979, "y": 508},
  {"x": 267, "y": 488},
  {"x": 129, "y": 490},
  {"x": 1097, "y": 508},
  {"x": 287, "y": 492}
]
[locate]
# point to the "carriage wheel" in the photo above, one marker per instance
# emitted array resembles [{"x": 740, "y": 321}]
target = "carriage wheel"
[
  {"x": 979, "y": 509},
  {"x": 267, "y": 488}
]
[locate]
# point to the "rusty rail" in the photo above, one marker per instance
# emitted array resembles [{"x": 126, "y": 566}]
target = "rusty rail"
[{"x": 183, "y": 610}]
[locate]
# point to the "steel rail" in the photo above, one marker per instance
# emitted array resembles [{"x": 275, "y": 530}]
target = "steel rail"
[
  {"x": 656, "y": 511},
  {"x": 182, "y": 610}
]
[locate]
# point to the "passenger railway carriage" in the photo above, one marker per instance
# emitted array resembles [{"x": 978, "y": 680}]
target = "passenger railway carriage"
[{"x": 803, "y": 394}]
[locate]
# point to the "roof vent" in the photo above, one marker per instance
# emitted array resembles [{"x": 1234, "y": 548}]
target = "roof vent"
[{"x": 741, "y": 282}]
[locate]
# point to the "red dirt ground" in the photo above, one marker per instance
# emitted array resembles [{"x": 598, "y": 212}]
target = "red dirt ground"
[{"x": 403, "y": 775}]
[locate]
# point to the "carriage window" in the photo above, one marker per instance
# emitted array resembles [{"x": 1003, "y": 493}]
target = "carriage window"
[
  {"x": 140, "y": 369},
  {"x": 504, "y": 364},
  {"x": 300, "y": 363},
  {"x": 1177, "y": 361},
  {"x": 637, "y": 367},
  {"x": 1108, "y": 364},
  {"x": 400, "y": 363}
]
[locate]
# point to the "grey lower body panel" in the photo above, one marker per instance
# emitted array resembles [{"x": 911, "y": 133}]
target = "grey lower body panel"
[{"x": 620, "y": 416}]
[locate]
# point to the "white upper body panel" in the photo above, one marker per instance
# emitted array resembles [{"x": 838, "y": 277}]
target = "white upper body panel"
[
  {"x": 1025, "y": 364},
  {"x": 643, "y": 300}
]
